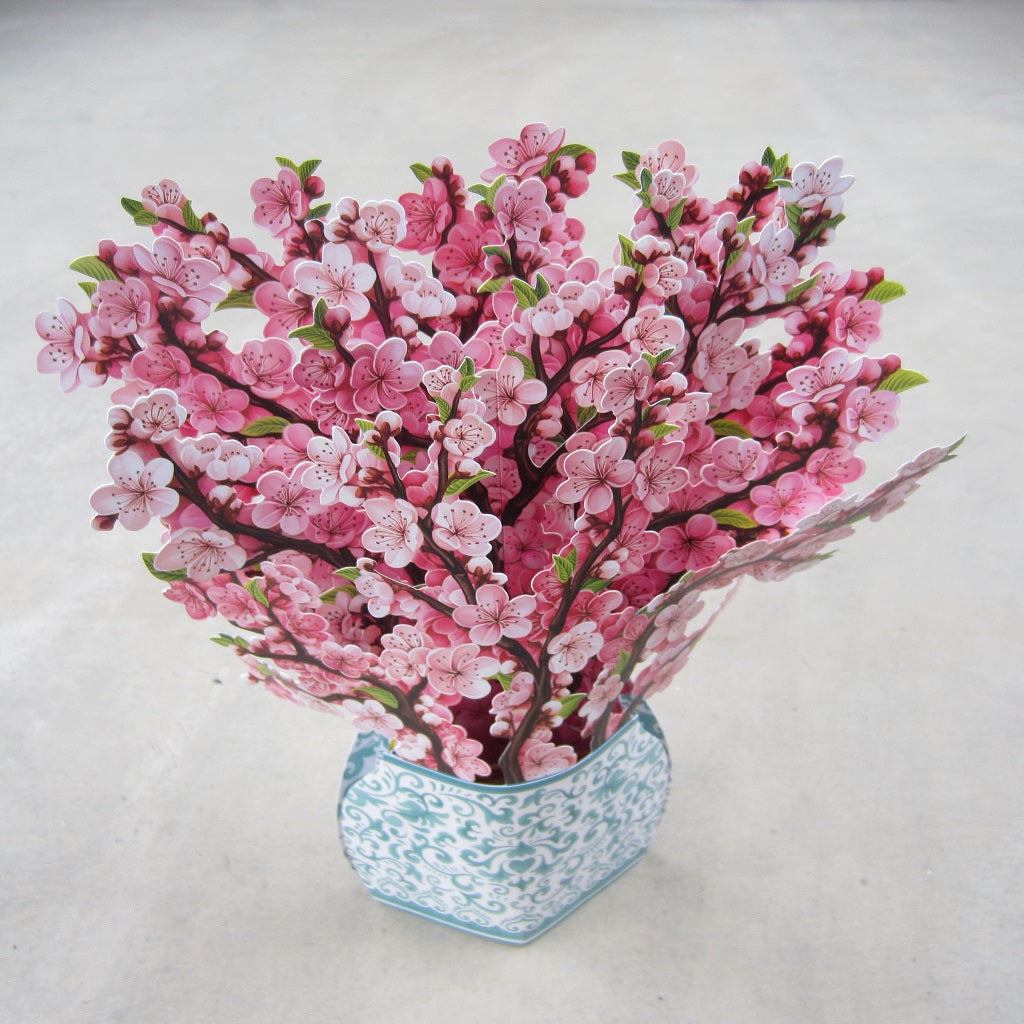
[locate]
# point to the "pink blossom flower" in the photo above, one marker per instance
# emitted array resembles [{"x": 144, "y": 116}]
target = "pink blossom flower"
[
  {"x": 460, "y": 754},
  {"x": 139, "y": 491},
  {"x": 495, "y": 615},
  {"x": 372, "y": 716},
  {"x": 65, "y": 351},
  {"x": 589, "y": 375},
  {"x": 156, "y": 417},
  {"x": 203, "y": 554},
  {"x": 427, "y": 215},
  {"x": 395, "y": 530},
  {"x": 124, "y": 307},
  {"x": 526, "y": 155},
  {"x": 521, "y": 210},
  {"x": 286, "y": 504},
  {"x": 664, "y": 276},
  {"x": 467, "y": 436},
  {"x": 735, "y": 462},
  {"x": 855, "y": 323},
  {"x": 266, "y": 366},
  {"x": 461, "y": 262},
  {"x": 772, "y": 266},
  {"x": 831, "y": 469},
  {"x": 539, "y": 759},
  {"x": 461, "y": 670},
  {"x": 821, "y": 383},
  {"x": 593, "y": 477},
  {"x": 658, "y": 475},
  {"x": 461, "y": 527},
  {"x": 719, "y": 354},
  {"x": 818, "y": 187},
  {"x": 625, "y": 386},
  {"x": 213, "y": 407},
  {"x": 380, "y": 225},
  {"x": 668, "y": 156},
  {"x": 337, "y": 279},
  {"x": 163, "y": 199},
  {"x": 194, "y": 600},
  {"x": 162, "y": 366},
  {"x": 174, "y": 273},
  {"x": 652, "y": 332},
  {"x": 285, "y": 309},
  {"x": 695, "y": 544},
  {"x": 280, "y": 201},
  {"x": 507, "y": 394},
  {"x": 870, "y": 413},
  {"x": 381, "y": 377},
  {"x": 334, "y": 463},
  {"x": 784, "y": 502},
  {"x": 570, "y": 651}
]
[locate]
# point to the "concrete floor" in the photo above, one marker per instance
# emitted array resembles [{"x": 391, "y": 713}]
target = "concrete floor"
[{"x": 844, "y": 840}]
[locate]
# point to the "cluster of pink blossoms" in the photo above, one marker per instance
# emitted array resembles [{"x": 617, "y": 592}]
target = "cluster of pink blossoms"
[{"x": 473, "y": 498}]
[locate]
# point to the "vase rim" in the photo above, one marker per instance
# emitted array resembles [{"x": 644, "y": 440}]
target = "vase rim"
[{"x": 642, "y": 718}]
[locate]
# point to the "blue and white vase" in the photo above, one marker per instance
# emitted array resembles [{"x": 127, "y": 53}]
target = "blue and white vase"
[{"x": 504, "y": 862}]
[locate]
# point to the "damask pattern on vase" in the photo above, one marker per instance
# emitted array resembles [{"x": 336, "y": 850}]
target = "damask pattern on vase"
[{"x": 503, "y": 862}]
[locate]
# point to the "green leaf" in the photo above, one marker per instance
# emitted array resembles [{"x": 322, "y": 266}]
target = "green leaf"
[
  {"x": 529, "y": 370},
  {"x": 630, "y": 160},
  {"x": 236, "y": 300},
  {"x": 350, "y": 572},
  {"x": 88, "y": 287},
  {"x": 458, "y": 486},
  {"x": 501, "y": 251},
  {"x": 504, "y": 678},
  {"x": 835, "y": 222},
  {"x": 565, "y": 566},
  {"x": 377, "y": 452},
  {"x": 253, "y": 586},
  {"x": 584, "y": 414},
  {"x": 231, "y": 641},
  {"x": 466, "y": 382},
  {"x": 480, "y": 190},
  {"x": 494, "y": 284},
  {"x": 306, "y": 168},
  {"x": 745, "y": 226},
  {"x": 319, "y": 211},
  {"x": 796, "y": 291},
  {"x": 525, "y": 295},
  {"x": 627, "y": 178},
  {"x": 94, "y": 267},
  {"x": 573, "y": 149},
  {"x": 730, "y": 517},
  {"x": 316, "y": 336},
  {"x": 422, "y": 171},
  {"x": 167, "y": 575},
  {"x": 386, "y": 697},
  {"x": 132, "y": 206},
  {"x": 646, "y": 179},
  {"x": 675, "y": 215},
  {"x": 329, "y": 596},
  {"x": 793, "y": 214},
  {"x": 192, "y": 222},
  {"x": 728, "y": 428},
  {"x": 283, "y": 161},
  {"x": 468, "y": 367},
  {"x": 265, "y": 427},
  {"x": 570, "y": 704},
  {"x": 622, "y": 662},
  {"x": 596, "y": 584},
  {"x": 443, "y": 408},
  {"x": 660, "y": 430},
  {"x": 366, "y": 424},
  {"x": 320, "y": 312},
  {"x": 901, "y": 380},
  {"x": 626, "y": 251},
  {"x": 541, "y": 287},
  {"x": 886, "y": 291},
  {"x": 768, "y": 157},
  {"x": 147, "y": 218}
]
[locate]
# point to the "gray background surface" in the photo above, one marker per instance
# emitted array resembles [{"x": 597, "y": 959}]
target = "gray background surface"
[{"x": 843, "y": 842}]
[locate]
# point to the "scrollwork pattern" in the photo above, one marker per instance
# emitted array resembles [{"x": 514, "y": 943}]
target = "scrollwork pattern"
[{"x": 506, "y": 862}]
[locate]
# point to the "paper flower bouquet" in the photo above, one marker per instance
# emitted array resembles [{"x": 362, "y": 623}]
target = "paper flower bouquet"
[{"x": 454, "y": 478}]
